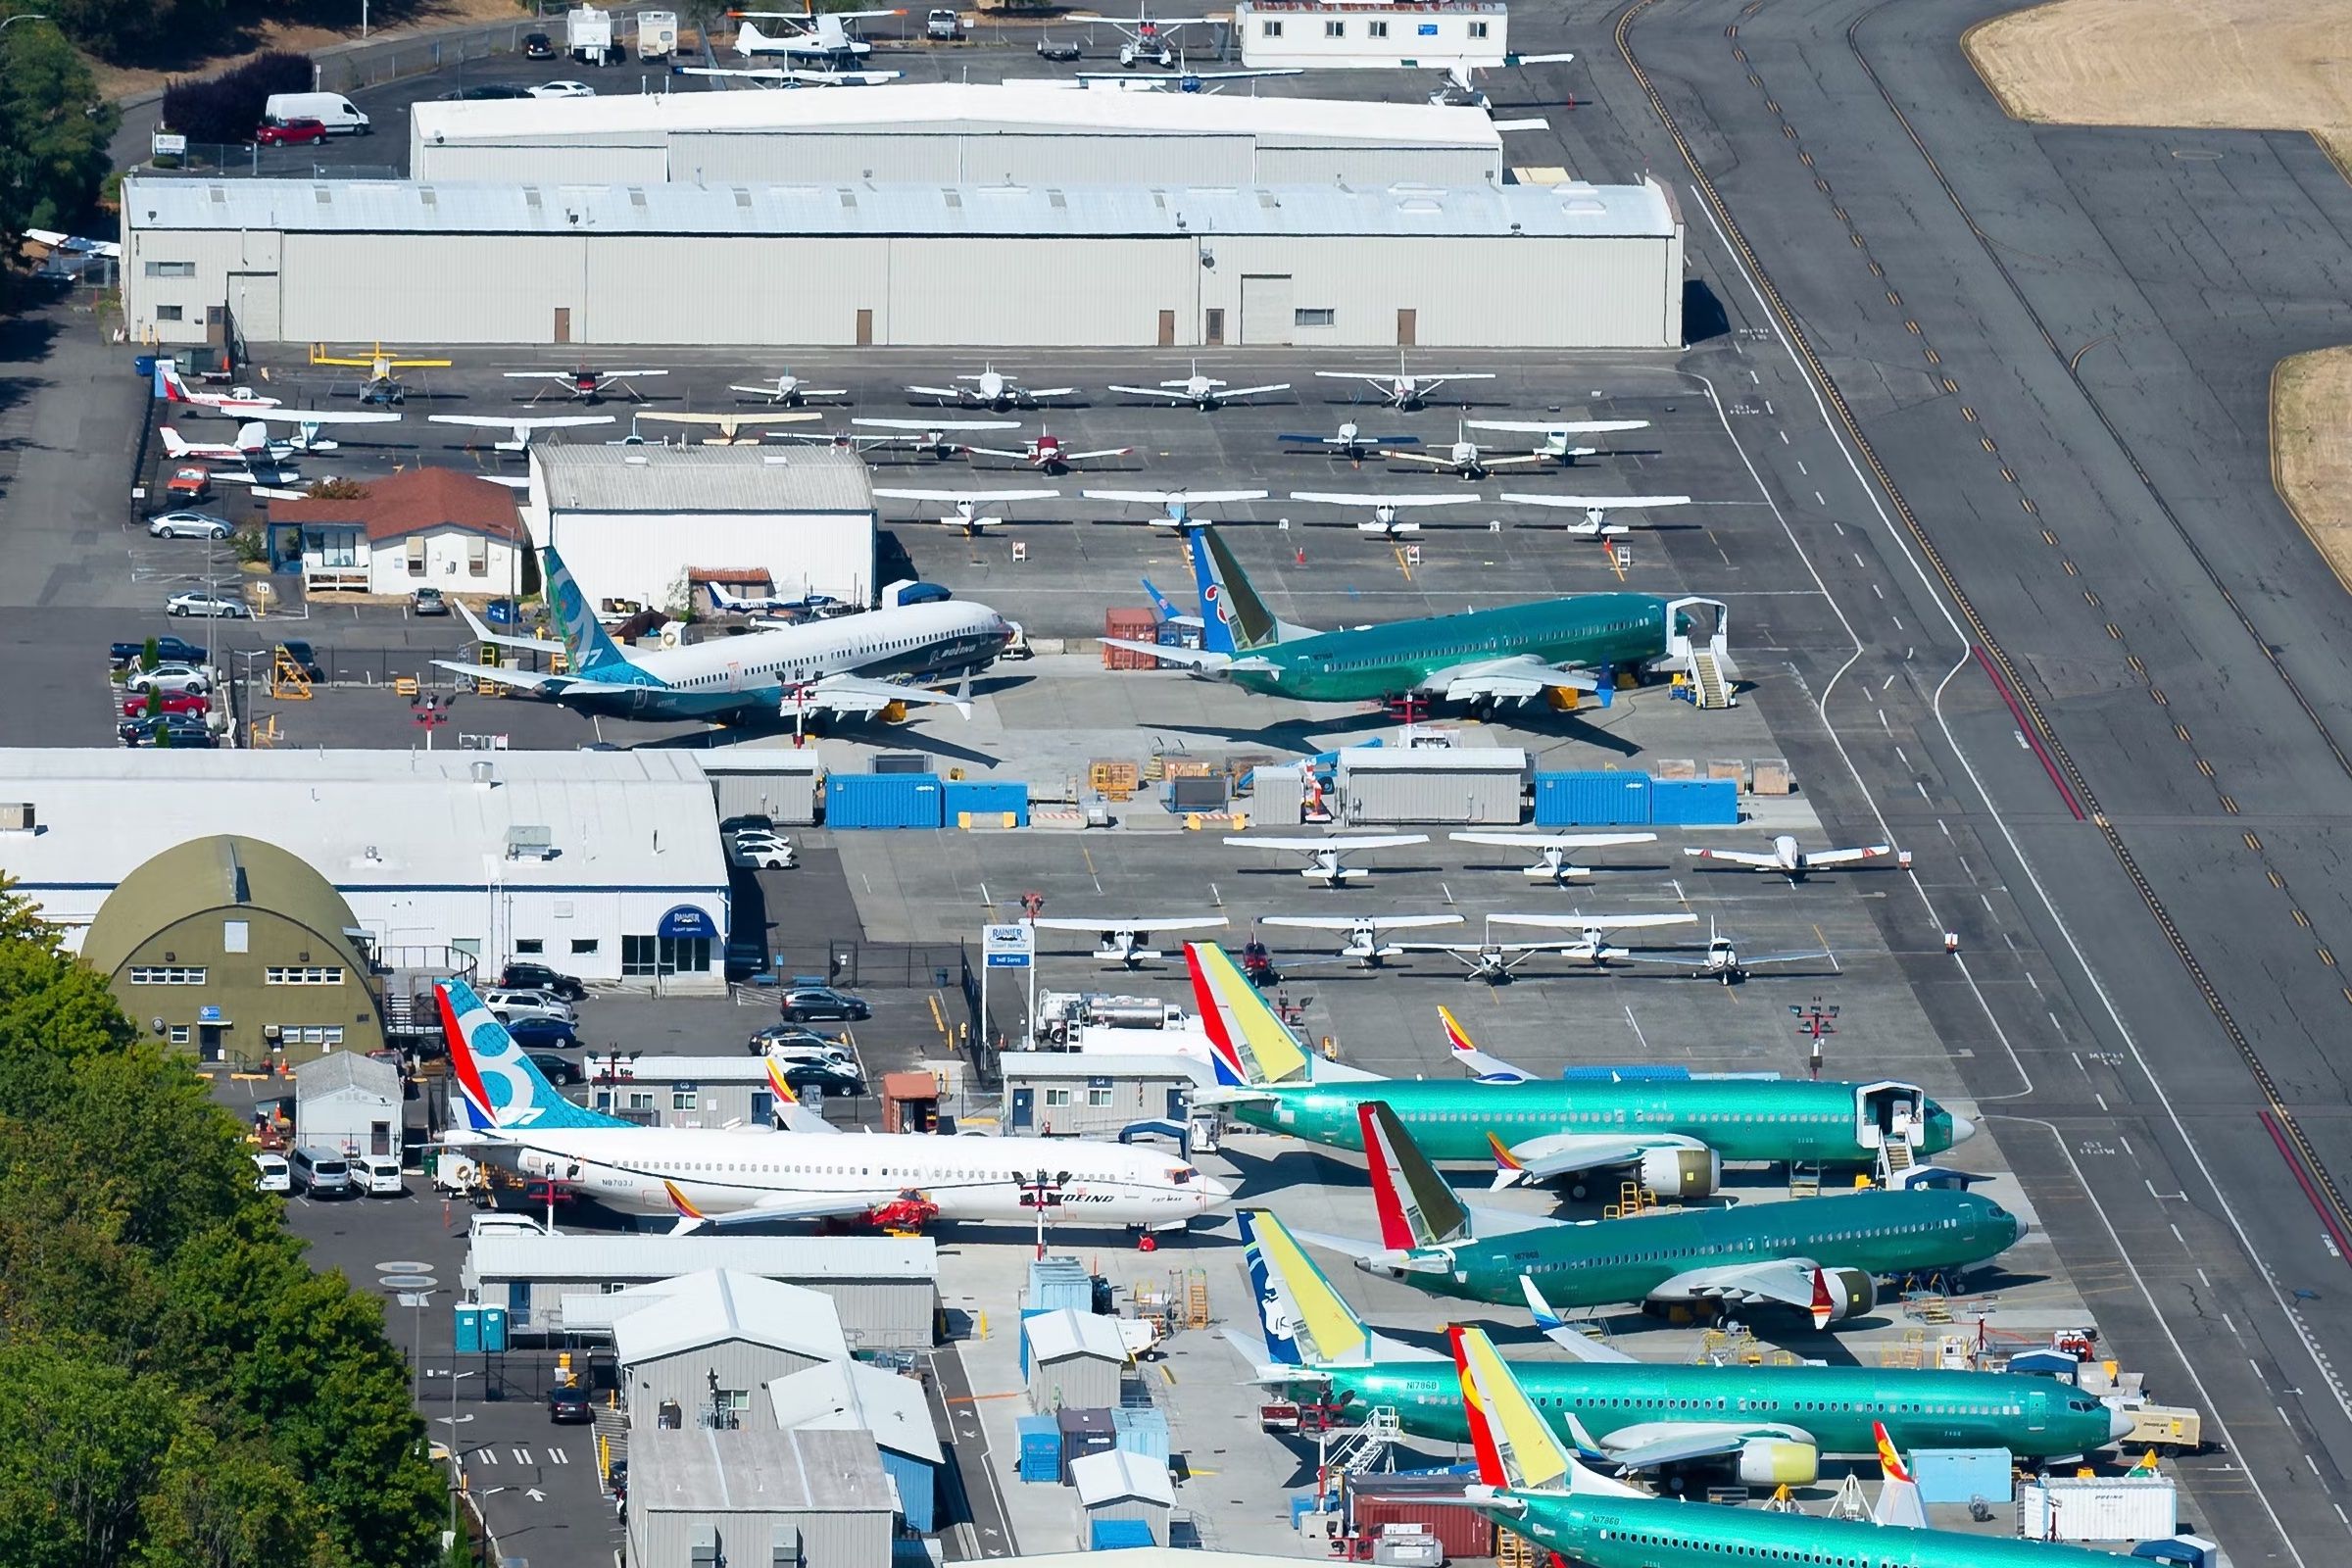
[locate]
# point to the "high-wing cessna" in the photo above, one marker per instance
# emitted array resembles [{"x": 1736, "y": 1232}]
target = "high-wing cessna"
[
  {"x": 1723, "y": 962},
  {"x": 856, "y": 665},
  {"x": 1388, "y": 512},
  {"x": 935, "y": 438},
  {"x": 1116, "y": 943},
  {"x": 259, "y": 460},
  {"x": 1554, "y": 866},
  {"x": 1144, "y": 35},
  {"x": 1465, "y": 458},
  {"x": 815, "y": 36},
  {"x": 991, "y": 388},
  {"x": 1351, "y": 442},
  {"x": 1323, "y": 854},
  {"x": 967, "y": 515},
  {"x": 309, "y": 423},
  {"x": 1555, "y": 434},
  {"x": 1403, "y": 392},
  {"x": 383, "y": 385},
  {"x": 728, "y": 601},
  {"x": 1461, "y": 75},
  {"x": 789, "y": 76},
  {"x": 1047, "y": 453},
  {"x": 585, "y": 384},
  {"x": 1176, "y": 513},
  {"x": 1367, "y": 936},
  {"x": 721, "y": 1176},
  {"x": 1205, "y": 393},
  {"x": 790, "y": 390},
  {"x": 1596, "y": 523},
  {"x": 1185, "y": 78},
  {"x": 731, "y": 426},
  {"x": 1788, "y": 859},
  {"x": 1590, "y": 944},
  {"x": 521, "y": 432},
  {"x": 239, "y": 401}
]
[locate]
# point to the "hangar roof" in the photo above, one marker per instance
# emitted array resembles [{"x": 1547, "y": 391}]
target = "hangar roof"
[
  {"x": 404, "y": 207},
  {"x": 755, "y": 1469},
  {"x": 595, "y": 477}
]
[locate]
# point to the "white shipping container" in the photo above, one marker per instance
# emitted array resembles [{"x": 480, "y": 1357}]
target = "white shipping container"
[{"x": 2143, "y": 1508}]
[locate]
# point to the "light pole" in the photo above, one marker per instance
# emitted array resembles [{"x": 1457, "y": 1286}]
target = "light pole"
[{"x": 454, "y": 1473}]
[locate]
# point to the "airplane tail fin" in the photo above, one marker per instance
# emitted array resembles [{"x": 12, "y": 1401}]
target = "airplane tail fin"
[
  {"x": 498, "y": 1081},
  {"x": 1481, "y": 1066},
  {"x": 749, "y": 38},
  {"x": 1291, "y": 1284},
  {"x": 1898, "y": 1496},
  {"x": 1515, "y": 1446},
  {"x": 1161, "y": 601},
  {"x": 168, "y": 384},
  {"x": 720, "y": 599},
  {"x": 1251, "y": 1045},
  {"x": 1416, "y": 1206},
  {"x": 585, "y": 644},
  {"x": 1228, "y": 601}
]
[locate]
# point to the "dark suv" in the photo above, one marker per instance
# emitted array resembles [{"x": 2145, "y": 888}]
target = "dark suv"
[
  {"x": 526, "y": 976},
  {"x": 805, "y": 1003},
  {"x": 538, "y": 47}
]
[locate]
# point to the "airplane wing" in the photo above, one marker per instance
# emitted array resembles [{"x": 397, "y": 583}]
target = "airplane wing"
[
  {"x": 857, "y": 694},
  {"x": 73, "y": 244},
  {"x": 1228, "y": 394},
  {"x": 975, "y": 497},
  {"x": 939, "y": 391},
  {"x": 1178, "y": 923},
  {"x": 538, "y": 375},
  {"x": 1595, "y": 502},
  {"x": 1359, "y": 441},
  {"x": 1556, "y": 1329},
  {"x": 775, "y": 1207},
  {"x": 1789, "y": 1281},
  {"x": 1174, "y": 394},
  {"x": 1035, "y": 392},
  {"x": 1872, "y": 851},
  {"x": 1000, "y": 452},
  {"x": 1555, "y": 426},
  {"x": 1381, "y": 381},
  {"x": 1166, "y": 498},
  {"x": 1341, "y": 922},
  {"x": 627, "y": 375},
  {"x": 1524, "y": 675},
  {"x": 1432, "y": 383},
  {"x": 1343, "y": 840},
  {"x": 1756, "y": 858},
  {"x": 1578, "y": 921},
  {"x": 1541, "y": 1158},
  {"x": 524, "y": 680},
  {"x": 319, "y": 415},
  {"x": 1104, "y": 451},
  {"x": 553, "y": 421},
  {"x": 926, "y": 426},
  {"x": 1338, "y": 498},
  {"x": 732, "y": 419},
  {"x": 1523, "y": 460},
  {"x": 1189, "y": 658},
  {"x": 1434, "y": 460},
  {"x": 1553, "y": 841}
]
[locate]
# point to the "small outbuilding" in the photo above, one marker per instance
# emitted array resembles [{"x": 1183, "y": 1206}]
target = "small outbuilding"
[
  {"x": 1118, "y": 1484},
  {"x": 422, "y": 528},
  {"x": 1099, "y": 1095},
  {"x": 751, "y": 1494},
  {"x": 1074, "y": 1358},
  {"x": 655, "y": 1091},
  {"x": 1472, "y": 784},
  {"x": 350, "y": 1102},
  {"x": 703, "y": 1348},
  {"x": 857, "y": 1396}
]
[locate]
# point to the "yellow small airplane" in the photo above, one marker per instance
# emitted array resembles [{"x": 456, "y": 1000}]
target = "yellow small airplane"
[{"x": 383, "y": 386}]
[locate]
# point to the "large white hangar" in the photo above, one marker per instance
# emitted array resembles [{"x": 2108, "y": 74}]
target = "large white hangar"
[
  {"x": 952, "y": 133},
  {"x": 976, "y": 267}
]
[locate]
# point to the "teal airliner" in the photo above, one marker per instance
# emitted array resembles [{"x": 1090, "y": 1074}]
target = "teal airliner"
[
  {"x": 1536, "y": 1488},
  {"x": 1671, "y": 1134},
  {"x": 1823, "y": 1254},
  {"x": 1770, "y": 1425},
  {"x": 1514, "y": 652}
]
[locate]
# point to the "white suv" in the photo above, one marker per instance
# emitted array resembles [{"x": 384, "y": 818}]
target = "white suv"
[
  {"x": 507, "y": 1005},
  {"x": 766, "y": 852}
]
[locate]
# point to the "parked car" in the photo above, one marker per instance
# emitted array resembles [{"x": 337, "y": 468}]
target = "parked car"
[
  {"x": 508, "y": 1005},
  {"x": 766, "y": 852},
  {"x": 184, "y": 731},
  {"x": 805, "y": 1003},
  {"x": 177, "y": 704},
  {"x": 271, "y": 1174},
  {"x": 815, "y": 1078},
  {"x": 427, "y": 601},
  {"x": 943, "y": 24},
  {"x": 203, "y": 602},
  {"x": 791, "y": 1038},
  {"x": 538, "y": 47},
  {"x": 377, "y": 1176},
  {"x": 543, "y": 1032},
  {"x": 187, "y": 523},
  {"x": 290, "y": 132},
  {"x": 527, "y": 976},
  {"x": 743, "y": 959},
  {"x": 321, "y": 1173},
  {"x": 170, "y": 677},
  {"x": 168, "y": 651},
  {"x": 749, "y": 822},
  {"x": 562, "y": 1071},
  {"x": 489, "y": 89},
  {"x": 568, "y": 1405},
  {"x": 189, "y": 484},
  {"x": 561, "y": 89}
]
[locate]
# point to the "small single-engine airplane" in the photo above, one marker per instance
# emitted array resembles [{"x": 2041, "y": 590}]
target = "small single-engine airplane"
[
  {"x": 967, "y": 515},
  {"x": 992, "y": 389},
  {"x": 1556, "y": 850},
  {"x": 1143, "y": 34},
  {"x": 1387, "y": 511},
  {"x": 792, "y": 77},
  {"x": 1590, "y": 944},
  {"x": 1324, "y": 854},
  {"x": 815, "y": 36},
  {"x": 934, "y": 438},
  {"x": 731, "y": 426},
  {"x": 1116, "y": 944},
  {"x": 1206, "y": 393},
  {"x": 75, "y": 245},
  {"x": 521, "y": 432},
  {"x": 1596, "y": 523},
  {"x": 1401, "y": 391},
  {"x": 309, "y": 423},
  {"x": 382, "y": 384},
  {"x": 585, "y": 384},
  {"x": 1176, "y": 512},
  {"x": 1555, "y": 434},
  {"x": 240, "y": 401},
  {"x": 1185, "y": 80},
  {"x": 728, "y": 602},
  {"x": 1461, "y": 75},
  {"x": 1367, "y": 938},
  {"x": 1786, "y": 859},
  {"x": 790, "y": 390},
  {"x": 1723, "y": 961},
  {"x": 1351, "y": 442},
  {"x": 1047, "y": 453},
  {"x": 259, "y": 461}
]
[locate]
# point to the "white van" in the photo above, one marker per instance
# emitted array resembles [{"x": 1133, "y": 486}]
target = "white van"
[
  {"x": 320, "y": 1173},
  {"x": 270, "y": 1173},
  {"x": 507, "y": 1221},
  {"x": 377, "y": 1176},
  {"x": 330, "y": 109}
]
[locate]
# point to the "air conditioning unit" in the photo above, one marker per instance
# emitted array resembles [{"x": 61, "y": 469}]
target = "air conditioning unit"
[
  {"x": 16, "y": 816},
  {"x": 530, "y": 843}
]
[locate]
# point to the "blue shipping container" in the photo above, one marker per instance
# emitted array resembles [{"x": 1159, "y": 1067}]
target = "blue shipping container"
[
  {"x": 1606, "y": 799},
  {"x": 1112, "y": 1534},
  {"x": 882, "y": 800},
  {"x": 1059, "y": 1283},
  {"x": 1040, "y": 1447},
  {"x": 1141, "y": 1431},
  {"x": 990, "y": 800},
  {"x": 1694, "y": 802},
  {"x": 1027, "y": 1312},
  {"x": 1960, "y": 1475}
]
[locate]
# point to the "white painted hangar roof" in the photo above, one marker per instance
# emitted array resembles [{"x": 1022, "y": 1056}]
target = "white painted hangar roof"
[
  {"x": 1079, "y": 211},
  {"x": 581, "y": 476},
  {"x": 615, "y": 820},
  {"x": 969, "y": 108}
]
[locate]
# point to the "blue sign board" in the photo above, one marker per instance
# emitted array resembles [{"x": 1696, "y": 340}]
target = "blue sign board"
[
  {"x": 684, "y": 921},
  {"x": 1009, "y": 960},
  {"x": 208, "y": 1014},
  {"x": 1427, "y": 29}
]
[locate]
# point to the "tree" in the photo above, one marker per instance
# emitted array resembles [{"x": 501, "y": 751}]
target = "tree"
[
  {"x": 53, "y": 132},
  {"x": 124, "y": 31},
  {"x": 80, "y": 1445}
]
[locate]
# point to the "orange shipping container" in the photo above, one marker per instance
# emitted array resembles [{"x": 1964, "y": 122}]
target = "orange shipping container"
[
  {"x": 1462, "y": 1531},
  {"x": 1135, "y": 626}
]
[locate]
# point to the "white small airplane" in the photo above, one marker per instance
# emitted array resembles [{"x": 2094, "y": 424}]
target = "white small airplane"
[
  {"x": 1793, "y": 863},
  {"x": 585, "y": 384},
  {"x": 1402, "y": 392},
  {"x": 1596, "y": 523},
  {"x": 75, "y": 245},
  {"x": 308, "y": 424},
  {"x": 1351, "y": 442},
  {"x": 820, "y": 36},
  {"x": 1185, "y": 80},
  {"x": 242, "y": 402},
  {"x": 1116, "y": 944},
  {"x": 966, "y": 514},
  {"x": 521, "y": 432},
  {"x": 1367, "y": 941},
  {"x": 992, "y": 389},
  {"x": 1142, "y": 34},
  {"x": 1555, "y": 849},
  {"x": 259, "y": 460},
  {"x": 1323, "y": 854},
  {"x": 790, "y": 390},
  {"x": 1206, "y": 393},
  {"x": 935, "y": 437},
  {"x": 1387, "y": 518},
  {"x": 1462, "y": 458},
  {"x": 1176, "y": 513},
  {"x": 730, "y": 426},
  {"x": 725, "y": 598},
  {"x": 1555, "y": 434},
  {"x": 1724, "y": 962},
  {"x": 1461, "y": 77},
  {"x": 1592, "y": 941},
  {"x": 787, "y": 76},
  {"x": 1047, "y": 453}
]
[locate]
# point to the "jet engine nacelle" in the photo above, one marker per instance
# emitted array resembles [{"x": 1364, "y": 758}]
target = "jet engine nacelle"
[
  {"x": 1779, "y": 1462},
  {"x": 1852, "y": 1291},
  {"x": 1685, "y": 1173}
]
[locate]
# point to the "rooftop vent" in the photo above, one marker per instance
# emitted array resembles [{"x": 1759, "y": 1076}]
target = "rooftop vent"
[
  {"x": 1056, "y": 200},
  {"x": 530, "y": 843},
  {"x": 952, "y": 196},
  {"x": 486, "y": 773},
  {"x": 427, "y": 195},
  {"x": 637, "y": 197},
  {"x": 16, "y": 816},
  {"x": 849, "y": 198},
  {"x": 530, "y": 198},
  {"x": 742, "y": 198}
]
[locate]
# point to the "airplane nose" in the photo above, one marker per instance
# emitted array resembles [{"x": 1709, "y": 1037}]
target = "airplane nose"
[
  {"x": 1962, "y": 1129},
  {"x": 1212, "y": 1193},
  {"x": 2119, "y": 1425}
]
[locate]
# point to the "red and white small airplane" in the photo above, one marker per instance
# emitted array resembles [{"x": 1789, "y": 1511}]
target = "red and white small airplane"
[
  {"x": 1046, "y": 453},
  {"x": 966, "y": 514},
  {"x": 584, "y": 384},
  {"x": 259, "y": 460},
  {"x": 1203, "y": 392},
  {"x": 992, "y": 389},
  {"x": 239, "y": 401},
  {"x": 1786, "y": 859}
]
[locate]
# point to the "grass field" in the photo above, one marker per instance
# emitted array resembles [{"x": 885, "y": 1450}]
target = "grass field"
[{"x": 2310, "y": 447}]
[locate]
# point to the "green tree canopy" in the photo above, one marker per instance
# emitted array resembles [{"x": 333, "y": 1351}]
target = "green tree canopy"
[{"x": 53, "y": 131}]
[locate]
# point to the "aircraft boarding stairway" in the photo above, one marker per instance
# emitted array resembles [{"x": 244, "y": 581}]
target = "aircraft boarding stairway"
[
  {"x": 1706, "y": 676},
  {"x": 1364, "y": 1448},
  {"x": 1709, "y": 667},
  {"x": 1894, "y": 1159}
]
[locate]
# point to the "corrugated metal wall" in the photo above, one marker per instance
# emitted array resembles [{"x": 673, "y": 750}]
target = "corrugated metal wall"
[
  {"x": 1371, "y": 166},
  {"x": 620, "y": 556},
  {"x": 827, "y": 1540},
  {"x": 212, "y": 256},
  {"x": 551, "y": 162},
  {"x": 958, "y": 292},
  {"x": 430, "y": 288},
  {"x": 883, "y": 1314},
  {"x": 784, "y": 797},
  {"x": 1430, "y": 795},
  {"x": 686, "y": 1377}
]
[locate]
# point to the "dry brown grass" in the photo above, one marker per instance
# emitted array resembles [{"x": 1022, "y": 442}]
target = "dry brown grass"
[
  {"x": 115, "y": 82},
  {"x": 2311, "y": 449}
]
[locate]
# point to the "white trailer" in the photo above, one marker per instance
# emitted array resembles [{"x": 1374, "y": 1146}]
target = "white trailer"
[
  {"x": 657, "y": 34},
  {"x": 1371, "y": 34},
  {"x": 588, "y": 35}
]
